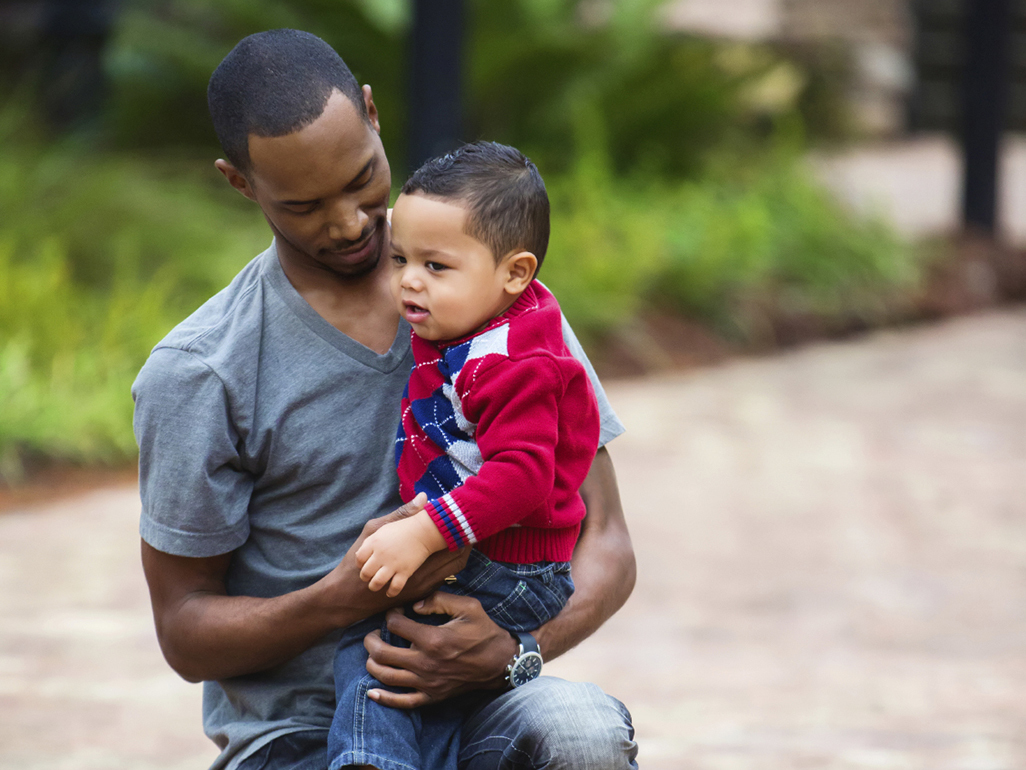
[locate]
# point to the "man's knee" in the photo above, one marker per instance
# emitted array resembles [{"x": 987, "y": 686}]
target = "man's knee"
[
  {"x": 585, "y": 728},
  {"x": 555, "y": 724}
]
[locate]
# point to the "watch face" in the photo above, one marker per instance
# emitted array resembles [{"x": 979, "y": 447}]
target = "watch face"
[{"x": 527, "y": 667}]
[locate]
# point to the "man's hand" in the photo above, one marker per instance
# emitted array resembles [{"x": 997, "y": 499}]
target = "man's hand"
[
  {"x": 469, "y": 652},
  {"x": 397, "y": 550}
]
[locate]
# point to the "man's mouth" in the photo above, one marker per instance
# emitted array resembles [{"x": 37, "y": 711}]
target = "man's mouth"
[{"x": 356, "y": 251}]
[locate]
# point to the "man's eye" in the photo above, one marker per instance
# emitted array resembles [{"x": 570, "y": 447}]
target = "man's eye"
[
  {"x": 306, "y": 208},
  {"x": 362, "y": 180}
]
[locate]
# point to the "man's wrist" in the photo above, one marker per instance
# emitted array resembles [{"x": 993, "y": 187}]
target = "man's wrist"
[
  {"x": 526, "y": 664},
  {"x": 543, "y": 638},
  {"x": 506, "y": 648}
]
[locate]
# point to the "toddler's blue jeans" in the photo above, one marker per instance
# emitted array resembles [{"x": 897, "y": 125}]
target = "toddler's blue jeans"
[{"x": 518, "y": 597}]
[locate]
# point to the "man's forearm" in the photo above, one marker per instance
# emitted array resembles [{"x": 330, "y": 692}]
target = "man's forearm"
[
  {"x": 207, "y": 635},
  {"x": 603, "y": 565}
]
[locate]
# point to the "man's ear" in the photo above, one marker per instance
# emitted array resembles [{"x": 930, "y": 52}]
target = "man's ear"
[
  {"x": 235, "y": 178},
  {"x": 521, "y": 267},
  {"x": 372, "y": 110}
]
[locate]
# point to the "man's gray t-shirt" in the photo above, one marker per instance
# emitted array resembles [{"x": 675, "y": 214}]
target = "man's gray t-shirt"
[{"x": 266, "y": 432}]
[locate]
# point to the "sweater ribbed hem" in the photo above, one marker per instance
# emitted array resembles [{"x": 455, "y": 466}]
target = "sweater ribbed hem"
[{"x": 527, "y": 545}]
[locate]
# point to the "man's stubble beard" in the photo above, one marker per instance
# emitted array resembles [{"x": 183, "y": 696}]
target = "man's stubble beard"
[{"x": 354, "y": 273}]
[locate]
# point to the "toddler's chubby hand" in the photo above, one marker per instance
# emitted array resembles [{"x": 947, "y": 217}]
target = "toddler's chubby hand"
[{"x": 393, "y": 553}]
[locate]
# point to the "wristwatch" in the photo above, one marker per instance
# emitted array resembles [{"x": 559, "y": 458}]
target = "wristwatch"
[{"x": 527, "y": 663}]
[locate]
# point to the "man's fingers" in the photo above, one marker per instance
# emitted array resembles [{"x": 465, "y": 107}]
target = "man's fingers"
[
  {"x": 442, "y": 603},
  {"x": 386, "y": 655},
  {"x": 420, "y": 635},
  {"x": 399, "y": 700},
  {"x": 393, "y": 677}
]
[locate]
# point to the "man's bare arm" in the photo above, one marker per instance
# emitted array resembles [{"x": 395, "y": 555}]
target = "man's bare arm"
[
  {"x": 471, "y": 651},
  {"x": 206, "y": 634},
  {"x": 604, "y": 568}
]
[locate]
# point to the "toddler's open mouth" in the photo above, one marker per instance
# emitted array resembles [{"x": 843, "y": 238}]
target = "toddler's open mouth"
[{"x": 414, "y": 313}]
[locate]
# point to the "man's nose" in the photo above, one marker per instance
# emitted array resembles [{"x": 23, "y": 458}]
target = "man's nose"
[{"x": 347, "y": 222}]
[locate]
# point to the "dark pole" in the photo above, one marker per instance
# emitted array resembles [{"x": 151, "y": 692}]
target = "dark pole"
[
  {"x": 73, "y": 84},
  {"x": 435, "y": 78},
  {"x": 985, "y": 91}
]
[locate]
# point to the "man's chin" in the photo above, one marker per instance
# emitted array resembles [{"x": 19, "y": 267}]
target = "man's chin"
[
  {"x": 355, "y": 263},
  {"x": 351, "y": 270}
]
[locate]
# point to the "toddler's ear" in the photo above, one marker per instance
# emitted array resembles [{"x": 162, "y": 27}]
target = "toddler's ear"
[{"x": 521, "y": 268}]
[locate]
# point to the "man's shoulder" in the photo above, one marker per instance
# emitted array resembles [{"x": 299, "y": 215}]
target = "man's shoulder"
[
  {"x": 225, "y": 321},
  {"x": 219, "y": 341}
]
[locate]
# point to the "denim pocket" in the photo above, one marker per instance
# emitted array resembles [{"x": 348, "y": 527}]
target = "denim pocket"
[{"x": 519, "y": 597}]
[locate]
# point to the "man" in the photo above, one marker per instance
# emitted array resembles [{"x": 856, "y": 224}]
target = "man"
[{"x": 265, "y": 424}]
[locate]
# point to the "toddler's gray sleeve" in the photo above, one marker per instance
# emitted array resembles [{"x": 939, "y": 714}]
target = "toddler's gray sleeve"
[
  {"x": 195, "y": 494},
  {"x": 609, "y": 426}
]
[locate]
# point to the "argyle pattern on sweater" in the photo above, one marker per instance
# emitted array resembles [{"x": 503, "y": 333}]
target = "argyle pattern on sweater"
[
  {"x": 450, "y": 450},
  {"x": 499, "y": 430}
]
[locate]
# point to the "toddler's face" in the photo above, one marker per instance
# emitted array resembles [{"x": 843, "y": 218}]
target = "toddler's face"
[{"x": 446, "y": 283}]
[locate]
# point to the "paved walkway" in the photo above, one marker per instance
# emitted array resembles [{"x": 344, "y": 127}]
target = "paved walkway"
[{"x": 832, "y": 548}]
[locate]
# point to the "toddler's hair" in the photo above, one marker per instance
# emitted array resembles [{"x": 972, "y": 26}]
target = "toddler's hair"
[{"x": 508, "y": 208}]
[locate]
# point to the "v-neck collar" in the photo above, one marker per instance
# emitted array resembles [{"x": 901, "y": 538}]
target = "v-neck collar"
[{"x": 386, "y": 362}]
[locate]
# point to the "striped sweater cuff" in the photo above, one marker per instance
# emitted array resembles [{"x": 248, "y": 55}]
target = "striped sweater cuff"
[{"x": 447, "y": 516}]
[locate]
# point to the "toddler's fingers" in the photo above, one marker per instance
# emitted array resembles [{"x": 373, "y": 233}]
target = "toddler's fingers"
[
  {"x": 368, "y": 570},
  {"x": 362, "y": 554},
  {"x": 380, "y": 579},
  {"x": 398, "y": 583}
]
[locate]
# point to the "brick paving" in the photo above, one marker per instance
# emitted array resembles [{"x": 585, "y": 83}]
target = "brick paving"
[{"x": 832, "y": 549}]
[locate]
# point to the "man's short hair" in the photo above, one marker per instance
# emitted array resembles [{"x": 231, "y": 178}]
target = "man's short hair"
[
  {"x": 275, "y": 83},
  {"x": 508, "y": 208}
]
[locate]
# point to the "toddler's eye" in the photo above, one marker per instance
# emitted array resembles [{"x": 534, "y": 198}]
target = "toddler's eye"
[
  {"x": 437, "y": 266},
  {"x": 399, "y": 260}
]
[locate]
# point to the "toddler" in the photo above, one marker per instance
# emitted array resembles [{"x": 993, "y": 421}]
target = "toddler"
[{"x": 499, "y": 428}]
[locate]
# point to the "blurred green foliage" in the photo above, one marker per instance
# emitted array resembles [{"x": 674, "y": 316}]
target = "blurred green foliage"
[
  {"x": 673, "y": 165},
  {"x": 731, "y": 250},
  {"x": 100, "y": 255},
  {"x": 533, "y": 66}
]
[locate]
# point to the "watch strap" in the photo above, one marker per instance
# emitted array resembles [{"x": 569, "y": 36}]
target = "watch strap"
[{"x": 527, "y": 643}]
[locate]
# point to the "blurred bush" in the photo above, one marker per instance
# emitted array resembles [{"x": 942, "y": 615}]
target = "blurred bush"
[
  {"x": 100, "y": 255},
  {"x": 744, "y": 245},
  {"x": 164, "y": 51},
  {"x": 533, "y": 66},
  {"x": 673, "y": 165}
]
